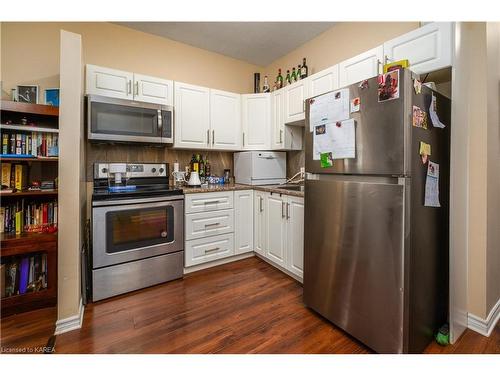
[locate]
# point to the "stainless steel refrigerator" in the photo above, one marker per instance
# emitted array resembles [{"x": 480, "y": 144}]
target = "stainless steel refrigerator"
[{"x": 376, "y": 258}]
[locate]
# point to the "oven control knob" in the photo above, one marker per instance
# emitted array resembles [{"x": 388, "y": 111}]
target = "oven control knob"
[
  {"x": 104, "y": 170},
  {"x": 164, "y": 234},
  {"x": 162, "y": 170},
  {"x": 153, "y": 170}
]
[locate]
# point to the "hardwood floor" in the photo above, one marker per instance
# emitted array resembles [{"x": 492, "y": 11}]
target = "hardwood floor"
[{"x": 242, "y": 307}]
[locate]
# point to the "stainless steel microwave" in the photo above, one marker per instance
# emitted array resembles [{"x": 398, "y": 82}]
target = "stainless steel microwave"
[{"x": 121, "y": 120}]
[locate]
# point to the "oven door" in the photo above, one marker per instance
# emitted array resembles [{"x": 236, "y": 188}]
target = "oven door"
[
  {"x": 111, "y": 119},
  {"x": 135, "y": 229}
]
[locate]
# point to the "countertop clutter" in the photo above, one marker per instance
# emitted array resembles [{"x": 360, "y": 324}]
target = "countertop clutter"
[{"x": 294, "y": 190}]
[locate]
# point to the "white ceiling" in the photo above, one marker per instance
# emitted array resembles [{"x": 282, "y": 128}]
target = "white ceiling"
[{"x": 258, "y": 43}]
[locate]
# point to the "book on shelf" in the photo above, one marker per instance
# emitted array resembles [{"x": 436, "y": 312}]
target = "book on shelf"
[
  {"x": 30, "y": 217},
  {"x": 35, "y": 144},
  {"x": 24, "y": 274}
]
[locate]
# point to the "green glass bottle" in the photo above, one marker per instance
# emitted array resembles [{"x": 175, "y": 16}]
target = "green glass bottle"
[
  {"x": 293, "y": 76},
  {"x": 287, "y": 79},
  {"x": 279, "y": 80}
]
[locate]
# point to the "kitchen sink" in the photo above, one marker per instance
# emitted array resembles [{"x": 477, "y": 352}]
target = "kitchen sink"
[{"x": 292, "y": 187}]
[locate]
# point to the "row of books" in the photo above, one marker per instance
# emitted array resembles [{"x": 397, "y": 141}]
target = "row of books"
[
  {"x": 23, "y": 274},
  {"x": 32, "y": 217},
  {"x": 34, "y": 144},
  {"x": 14, "y": 176}
]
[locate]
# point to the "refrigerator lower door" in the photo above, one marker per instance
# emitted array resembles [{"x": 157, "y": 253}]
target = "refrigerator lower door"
[{"x": 354, "y": 256}]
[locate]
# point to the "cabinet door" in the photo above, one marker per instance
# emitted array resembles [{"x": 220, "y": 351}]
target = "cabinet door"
[
  {"x": 260, "y": 222},
  {"x": 192, "y": 116},
  {"x": 225, "y": 120},
  {"x": 276, "y": 229},
  {"x": 243, "y": 221},
  {"x": 256, "y": 121},
  {"x": 323, "y": 81},
  {"x": 363, "y": 66},
  {"x": 295, "y": 94},
  {"x": 295, "y": 235},
  {"x": 278, "y": 123},
  {"x": 427, "y": 49},
  {"x": 153, "y": 90},
  {"x": 108, "y": 82}
]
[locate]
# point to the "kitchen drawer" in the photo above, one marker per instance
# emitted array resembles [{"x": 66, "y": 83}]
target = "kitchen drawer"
[
  {"x": 211, "y": 223},
  {"x": 208, "y": 249},
  {"x": 205, "y": 202}
]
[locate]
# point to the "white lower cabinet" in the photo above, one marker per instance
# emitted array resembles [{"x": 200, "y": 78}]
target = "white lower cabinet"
[
  {"x": 243, "y": 221},
  {"x": 208, "y": 249},
  {"x": 279, "y": 230},
  {"x": 260, "y": 221}
]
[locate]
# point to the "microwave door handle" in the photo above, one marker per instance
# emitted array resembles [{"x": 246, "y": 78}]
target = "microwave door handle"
[{"x": 159, "y": 122}]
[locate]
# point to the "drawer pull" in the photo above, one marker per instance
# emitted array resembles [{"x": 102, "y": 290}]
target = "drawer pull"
[
  {"x": 212, "y": 250},
  {"x": 210, "y": 202},
  {"x": 211, "y": 225}
]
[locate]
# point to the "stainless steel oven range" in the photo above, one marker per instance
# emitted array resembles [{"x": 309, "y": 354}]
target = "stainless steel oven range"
[{"x": 137, "y": 228}]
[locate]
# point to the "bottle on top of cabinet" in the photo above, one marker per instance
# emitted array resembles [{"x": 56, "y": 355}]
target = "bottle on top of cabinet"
[
  {"x": 279, "y": 80},
  {"x": 304, "y": 70}
]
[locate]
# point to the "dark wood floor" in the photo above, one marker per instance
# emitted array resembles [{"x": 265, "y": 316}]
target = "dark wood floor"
[{"x": 242, "y": 307}]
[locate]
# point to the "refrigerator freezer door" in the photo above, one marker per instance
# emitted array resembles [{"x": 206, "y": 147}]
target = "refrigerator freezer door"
[
  {"x": 354, "y": 256},
  {"x": 381, "y": 133}
]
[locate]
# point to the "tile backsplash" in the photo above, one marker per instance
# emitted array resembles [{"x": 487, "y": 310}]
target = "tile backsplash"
[
  {"x": 219, "y": 160},
  {"x": 102, "y": 152}
]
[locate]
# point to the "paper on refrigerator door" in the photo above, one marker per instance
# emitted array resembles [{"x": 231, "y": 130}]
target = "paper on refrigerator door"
[
  {"x": 432, "y": 185},
  {"x": 328, "y": 108},
  {"x": 338, "y": 138},
  {"x": 433, "y": 114}
]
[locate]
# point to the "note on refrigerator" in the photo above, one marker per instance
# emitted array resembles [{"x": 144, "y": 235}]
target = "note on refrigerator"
[
  {"x": 432, "y": 185},
  {"x": 328, "y": 108},
  {"x": 433, "y": 114},
  {"x": 339, "y": 138}
]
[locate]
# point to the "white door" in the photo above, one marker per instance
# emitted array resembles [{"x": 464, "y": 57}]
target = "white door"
[
  {"x": 276, "y": 229},
  {"x": 295, "y": 235},
  {"x": 243, "y": 221},
  {"x": 323, "y": 81},
  {"x": 108, "y": 82},
  {"x": 278, "y": 123},
  {"x": 153, "y": 90},
  {"x": 192, "y": 116},
  {"x": 427, "y": 48},
  {"x": 225, "y": 120},
  {"x": 260, "y": 222},
  {"x": 363, "y": 66},
  {"x": 256, "y": 121},
  {"x": 295, "y": 94}
]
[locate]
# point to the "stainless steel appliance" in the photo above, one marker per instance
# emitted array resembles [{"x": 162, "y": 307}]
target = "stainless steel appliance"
[
  {"x": 137, "y": 229},
  {"x": 260, "y": 167},
  {"x": 376, "y": 259},
  {"x": 120, "y": 120}
]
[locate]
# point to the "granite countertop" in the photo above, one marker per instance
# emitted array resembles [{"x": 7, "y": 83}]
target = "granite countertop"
[{"x": 232, "y": 187}]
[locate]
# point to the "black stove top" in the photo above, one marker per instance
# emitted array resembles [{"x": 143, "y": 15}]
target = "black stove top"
[{"x": 140, "y": 191}]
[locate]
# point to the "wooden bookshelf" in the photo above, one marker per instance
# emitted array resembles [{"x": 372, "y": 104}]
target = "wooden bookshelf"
[
  {"x": 26, "y": 244},
  {"x": 35, "y": 109}
]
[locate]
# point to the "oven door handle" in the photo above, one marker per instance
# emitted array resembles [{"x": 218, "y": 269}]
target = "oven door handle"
[{"x": 158, "y": 201}]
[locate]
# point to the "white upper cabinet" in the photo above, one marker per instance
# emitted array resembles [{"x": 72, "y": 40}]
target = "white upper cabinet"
[
  {"x": 153, "y": 90},
  {"x": 243, "y": 221},
  {"x": 427, "y": 48},
  {"x": 323, "y": 81},
  {"x": 225, "y": 120},
  {"x": 278, "y": 122},
  {"x": 256, "y": 121},
  {"x": 109, "y": 82},
  {"x": 192, "y": 116},
  {"x": 295, "y": 94},
  {"x": 360, "y": 67}
]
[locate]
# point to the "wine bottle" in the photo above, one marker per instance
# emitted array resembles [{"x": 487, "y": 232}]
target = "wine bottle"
[
  {"x": 293, "y": 77},
  {"x": 265, "y": 87},
  {"x": 299, "y": 70},
  {"x": 279, "y": 80},
  {"x": 201, "y": 167},
  {"x": 304, "y": 70},
  {"x": 287, "y": 79},
  {"x": 207, "y": 167}
]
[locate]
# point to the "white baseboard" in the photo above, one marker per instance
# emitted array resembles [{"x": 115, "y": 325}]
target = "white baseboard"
[
  {"x": 485, "y": 326},
  {"x": 71, "y": 323},
  {"x": 219, "y": 262}
]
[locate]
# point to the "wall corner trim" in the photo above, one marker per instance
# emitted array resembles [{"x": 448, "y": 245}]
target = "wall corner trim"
[
  {"x": 485, "y": 326},
  {"x": 71, "y": 323}
]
